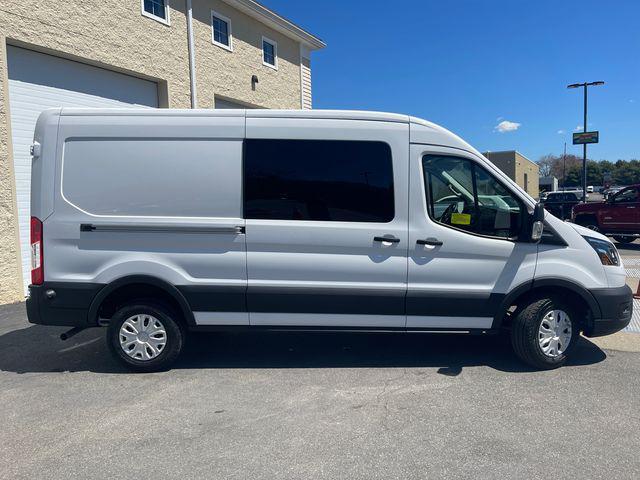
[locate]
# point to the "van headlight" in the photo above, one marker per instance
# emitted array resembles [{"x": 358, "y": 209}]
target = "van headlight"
[{"x": 605, "y": 250}]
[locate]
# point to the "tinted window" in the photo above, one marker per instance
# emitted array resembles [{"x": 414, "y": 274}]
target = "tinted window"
[
  {"x": 462, "y": 195},
  {"x": 340, "y": 181}
]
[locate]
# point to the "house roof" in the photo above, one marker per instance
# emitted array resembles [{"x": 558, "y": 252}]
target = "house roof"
[{"x": 277, "y": 22}]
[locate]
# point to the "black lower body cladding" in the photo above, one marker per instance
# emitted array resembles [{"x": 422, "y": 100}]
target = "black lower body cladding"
[
  {"x": 69, "y": 304},
  {"x": 62, "y": 304}
]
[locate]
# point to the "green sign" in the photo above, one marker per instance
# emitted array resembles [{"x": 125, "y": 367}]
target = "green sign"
[{"x": 585, "y": 137}]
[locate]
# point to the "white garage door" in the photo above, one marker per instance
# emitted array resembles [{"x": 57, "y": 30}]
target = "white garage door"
[{"x": 38, "y": 81}]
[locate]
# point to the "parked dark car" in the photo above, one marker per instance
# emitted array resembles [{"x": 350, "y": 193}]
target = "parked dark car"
[
  {"x": 561, "y": 204},
  {"x": 618, "y": 216},
  {"x": 610, "y": 191}
]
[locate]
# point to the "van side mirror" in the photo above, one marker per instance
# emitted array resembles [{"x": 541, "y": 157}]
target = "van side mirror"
[{"x": 537, "y": 223}]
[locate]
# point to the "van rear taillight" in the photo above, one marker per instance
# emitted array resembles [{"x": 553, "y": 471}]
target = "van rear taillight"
[{"x": 37, "y": 259}]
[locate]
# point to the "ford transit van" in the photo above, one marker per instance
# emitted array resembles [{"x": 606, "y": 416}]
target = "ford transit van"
[{"x": 156, "y": 223}]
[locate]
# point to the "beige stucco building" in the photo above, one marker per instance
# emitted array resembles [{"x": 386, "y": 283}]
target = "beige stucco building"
[
  {"x": 153, "y": 53},
  {"x": 523, "y": 171}
]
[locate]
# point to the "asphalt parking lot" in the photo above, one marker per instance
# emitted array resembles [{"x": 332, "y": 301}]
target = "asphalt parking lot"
[{"x": 313, "y": 406}]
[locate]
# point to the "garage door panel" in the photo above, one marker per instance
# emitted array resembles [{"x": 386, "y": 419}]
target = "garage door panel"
[
  {"x": 38, "y": 81},
  {"x": 35, "y": 68}
]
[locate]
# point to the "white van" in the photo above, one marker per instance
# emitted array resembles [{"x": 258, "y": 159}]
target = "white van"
[{"x": 159, "y": 222}]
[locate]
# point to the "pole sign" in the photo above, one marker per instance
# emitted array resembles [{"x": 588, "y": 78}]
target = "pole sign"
[{"x": 585, "y": 137}]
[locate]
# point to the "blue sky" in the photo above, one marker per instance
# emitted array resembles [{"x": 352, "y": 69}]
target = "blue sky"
[{"x": 471, "y": 64}]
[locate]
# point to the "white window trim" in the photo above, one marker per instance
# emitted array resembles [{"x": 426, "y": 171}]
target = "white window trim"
[
  {"x": 164, "y": 21},
  {"x": 275, "y": 52},
  {"x": 222, "y": 45}
]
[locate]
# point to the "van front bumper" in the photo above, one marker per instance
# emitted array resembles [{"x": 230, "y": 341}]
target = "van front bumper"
[
  {"x": 616, "y": 308},
  {"x": 62, "y": 304}
]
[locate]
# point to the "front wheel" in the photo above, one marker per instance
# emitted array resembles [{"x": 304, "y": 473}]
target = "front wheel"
[
  {"x": 544, "y": 332},
  {"x": 623, "y": 239},
  {"x": 144, "y": 337}
]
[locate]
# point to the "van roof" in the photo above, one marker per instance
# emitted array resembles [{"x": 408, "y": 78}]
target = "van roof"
[
  {"x": 255, "y": 113},
  {"x": 422, "y": 131}
]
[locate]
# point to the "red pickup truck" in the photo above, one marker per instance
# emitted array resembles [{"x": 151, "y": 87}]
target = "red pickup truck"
[{"x": 618, "y": 216}]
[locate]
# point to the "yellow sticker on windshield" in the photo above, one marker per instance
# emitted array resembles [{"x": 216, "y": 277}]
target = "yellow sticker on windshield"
[{"x": 460, "y": 219}]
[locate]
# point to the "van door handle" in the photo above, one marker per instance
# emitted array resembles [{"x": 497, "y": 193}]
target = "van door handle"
[
  {"x": 386, "y": 239},
  {"x": 432, "y": 242}
]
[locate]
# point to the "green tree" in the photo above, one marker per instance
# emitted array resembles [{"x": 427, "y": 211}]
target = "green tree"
[{"x": 623, "y": 172}]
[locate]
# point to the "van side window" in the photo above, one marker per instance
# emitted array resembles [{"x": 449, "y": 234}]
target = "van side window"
[
  {"x": 318, "y": 180},
  {"x": 462, "y": 195}
]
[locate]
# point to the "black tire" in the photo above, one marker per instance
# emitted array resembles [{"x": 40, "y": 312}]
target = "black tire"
[
  {"x": 175, "y": 337},
  {"x": 588, "y": 222},
  {"x": 623, "y": 239},
  {"x": 525, "y": 331}
]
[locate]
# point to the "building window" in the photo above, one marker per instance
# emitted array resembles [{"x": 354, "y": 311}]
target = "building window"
[
  {"x": 269, "y": 53},
  {"x": 156, "y": 9},
  {"x": 318, "y": 180},
  {"x": 221, "y": 31}
]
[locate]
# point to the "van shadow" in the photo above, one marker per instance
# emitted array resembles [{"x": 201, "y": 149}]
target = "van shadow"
[{"x": 37, "y": 349}]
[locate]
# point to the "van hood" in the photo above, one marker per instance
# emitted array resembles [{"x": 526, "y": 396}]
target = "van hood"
[{"x": 587, "y": 232}]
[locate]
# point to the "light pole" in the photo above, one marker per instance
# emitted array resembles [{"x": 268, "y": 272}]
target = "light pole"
[
  {"x": 564, "y": 163},
  {"x": 584, "y": 129}
]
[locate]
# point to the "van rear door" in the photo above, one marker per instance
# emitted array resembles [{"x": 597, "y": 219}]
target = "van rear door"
[{"x": 325, "y": 202}]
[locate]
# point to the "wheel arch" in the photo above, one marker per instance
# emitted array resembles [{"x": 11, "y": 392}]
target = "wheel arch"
[
  {"x": 572, "y": 291},
  {"x": 583, "y": 219},
  {"x": 165, "y": 289}
]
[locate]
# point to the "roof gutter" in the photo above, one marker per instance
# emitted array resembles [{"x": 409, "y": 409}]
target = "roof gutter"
[{"x": 277, "y": 22}]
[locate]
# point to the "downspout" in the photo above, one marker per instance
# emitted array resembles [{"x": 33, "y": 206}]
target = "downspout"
[{"x": 192, "y": 59}]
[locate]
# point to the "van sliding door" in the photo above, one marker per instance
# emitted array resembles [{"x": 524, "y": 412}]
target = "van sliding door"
[{"x": 325, "y": 203}]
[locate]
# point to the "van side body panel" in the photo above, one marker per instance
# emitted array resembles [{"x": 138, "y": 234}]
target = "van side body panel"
[{"x": 92, "y": 242}]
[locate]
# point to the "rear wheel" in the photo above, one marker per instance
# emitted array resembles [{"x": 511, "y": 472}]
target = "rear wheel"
[
  {"x": 623, "y": 239},
  {"x": 544, "y": 332},
  {"x": 144, "y": 337}
]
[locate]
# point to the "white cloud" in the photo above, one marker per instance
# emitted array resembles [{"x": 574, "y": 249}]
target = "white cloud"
[
  {"x": 560, "y": 132},
  {"x": 507, "y": 126},
  {"x": 578, "y": 128},
  {"x": 499, "y": 119}
]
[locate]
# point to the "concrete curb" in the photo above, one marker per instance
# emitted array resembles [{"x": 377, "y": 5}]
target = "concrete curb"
[{"x": 621, "y": 342}]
